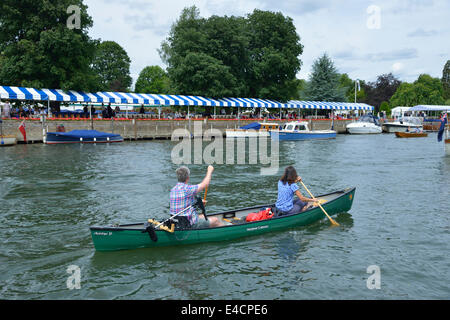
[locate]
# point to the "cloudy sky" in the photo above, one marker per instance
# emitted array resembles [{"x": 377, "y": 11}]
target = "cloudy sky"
[{"x": 364, "y": 38}]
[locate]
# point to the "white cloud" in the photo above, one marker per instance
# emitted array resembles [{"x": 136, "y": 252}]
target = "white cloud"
[{"x": 397, "y": 66}]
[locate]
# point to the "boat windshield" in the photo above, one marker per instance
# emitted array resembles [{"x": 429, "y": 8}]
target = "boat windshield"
[
  {"x": 368, "y": 118},
  {"x": 413, "y": 120}
]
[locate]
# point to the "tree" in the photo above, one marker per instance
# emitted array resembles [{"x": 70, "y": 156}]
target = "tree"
[
  {"x": 348, "y": 85},
  {"x": 380, "y": 90},
  {"x": 425, "y": 90},
  {"x": 274, "y": 49},
  {"x": 385, "y": 107},
  {"x": 446, "y": 80},
  {"x": 203, "y": 75},
  {"x": 112, "y": 67},
  {"x": 256, "y": 56},
  {"x": 38, "y": 48},
  {"x": 324, "y": 83},
  {"x": 152, "y": 79}
]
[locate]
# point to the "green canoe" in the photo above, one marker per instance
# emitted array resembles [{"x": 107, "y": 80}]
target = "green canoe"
[{"x": 133, "y": 236}]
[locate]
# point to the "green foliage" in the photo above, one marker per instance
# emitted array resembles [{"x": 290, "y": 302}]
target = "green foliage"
[
  {"x": 201, "y": 74},
  {"x": 385, "y": 107},
  {"x": 380, "y": 90},
  {"x": 39, "y": 50},
  {"x": 152, "y": 79},
  {"x": 348, "y": 85},
  {"x": 446, "y": 80},
  {"x": 111, "y": 65},
  {"x": 324, "y": 82},
  {"x": 256, "y": 56},
  {"x": 425, "y": 90}
]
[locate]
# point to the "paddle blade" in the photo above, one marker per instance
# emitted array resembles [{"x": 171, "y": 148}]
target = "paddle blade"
[{"x": 150, "y": 229}]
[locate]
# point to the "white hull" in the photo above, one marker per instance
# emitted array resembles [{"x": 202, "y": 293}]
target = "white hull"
[
  {"x": 447, "y": 146},
  {"x": 392, "y": 128},
  {"x": 7, "y": 141},
  {"x": 237, "y": 133},
  {"x": 363, "y": 128}
]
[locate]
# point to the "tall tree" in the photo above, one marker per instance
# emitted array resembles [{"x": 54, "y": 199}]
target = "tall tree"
[
  {"x": 256, "y": 56},
  {"x": 152, "y": 79},
  {"x": 112, "y": 66},
  {"x": 425, "y": 90},
  {"x": 446, "y": 80},
  {"x": 40, "y": 50},
  {"x": 274, "y": 49},
  {"x": 324, "y": 83},
  {"x": 381, "y": 90}
]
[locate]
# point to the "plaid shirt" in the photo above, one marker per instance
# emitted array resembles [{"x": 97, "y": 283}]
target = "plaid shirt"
[{"x": 181, "y": 197}]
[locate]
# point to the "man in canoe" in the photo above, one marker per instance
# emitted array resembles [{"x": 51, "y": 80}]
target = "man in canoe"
[
  {"x": 183, "y": 196},
  {"x": 287, "y": 188}
]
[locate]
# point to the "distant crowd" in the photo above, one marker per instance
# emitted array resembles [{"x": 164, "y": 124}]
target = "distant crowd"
[{"x": 108, "y": 112}]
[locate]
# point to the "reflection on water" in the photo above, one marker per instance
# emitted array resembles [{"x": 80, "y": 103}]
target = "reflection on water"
[{"x": 399, "y": 221}]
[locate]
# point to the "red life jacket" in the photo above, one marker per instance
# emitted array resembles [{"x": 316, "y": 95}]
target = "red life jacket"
[{"x": 257, "y": 216}]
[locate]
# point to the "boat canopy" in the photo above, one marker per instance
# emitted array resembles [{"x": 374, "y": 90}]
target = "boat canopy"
[
  {"x": 368, "y": 118},
  {"x": 254, "y": 126},
  {"x": 413, "y": 120},
  {"x": 21, "y": 93}
]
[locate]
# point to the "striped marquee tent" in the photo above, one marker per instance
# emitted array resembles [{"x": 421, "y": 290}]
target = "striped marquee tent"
[
  {"x": 21, "y": 93},
  {"x": 328, "y": 105}
]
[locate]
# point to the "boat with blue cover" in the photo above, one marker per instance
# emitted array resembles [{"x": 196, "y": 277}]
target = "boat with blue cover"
[
  {"x": 299, "y": 130},
  {"x": 82, "y": 136},
  {"x": 255, "y": 129}
]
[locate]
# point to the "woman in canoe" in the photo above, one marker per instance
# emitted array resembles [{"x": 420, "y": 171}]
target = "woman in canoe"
[{"x": 287, "y": 188}]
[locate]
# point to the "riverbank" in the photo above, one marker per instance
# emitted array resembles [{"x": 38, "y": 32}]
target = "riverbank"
[{"x": 142, "y": 129}]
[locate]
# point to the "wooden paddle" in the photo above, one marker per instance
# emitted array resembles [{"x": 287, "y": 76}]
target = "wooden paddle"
[
  {"x": 206, "y": 192},
  {"x": 331, "y": 220}
]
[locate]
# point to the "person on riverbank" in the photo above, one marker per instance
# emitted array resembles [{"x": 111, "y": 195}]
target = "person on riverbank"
[
  {"x": 183, "y": 196},
  {"x": 287, "y": 188},
  {"x": 7, "y": 110}
]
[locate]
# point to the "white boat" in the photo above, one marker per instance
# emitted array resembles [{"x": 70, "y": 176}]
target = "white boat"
[
  {"x": 365, "y": 125},
  {"x": 403, "y": 124},
  {"x": 299, "y": 130},
  {"x": 256, "y": 129},
  {"x": 7, "y": 140}
]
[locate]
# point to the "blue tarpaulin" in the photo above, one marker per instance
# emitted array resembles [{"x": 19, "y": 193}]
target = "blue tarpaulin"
[
  {"x": 254, "y": 126},
  {"x": 87, "y": 134}
]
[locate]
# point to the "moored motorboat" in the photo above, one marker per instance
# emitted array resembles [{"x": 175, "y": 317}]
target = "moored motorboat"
[
  {"x": 403, "y": 124},
  {"x": 133, "y": 236},
  {"x": 367, "y": 124},
  {"x": 299, "y": 130},
  {"x": 256, "y": 129},
  {"x": 411, "y": 134},
  {"x": 82, "y": 136},
  {"x": 7, "y": 140}
]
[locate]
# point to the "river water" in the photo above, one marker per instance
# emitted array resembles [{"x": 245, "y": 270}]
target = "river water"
[{"x": 399, "y": 222}]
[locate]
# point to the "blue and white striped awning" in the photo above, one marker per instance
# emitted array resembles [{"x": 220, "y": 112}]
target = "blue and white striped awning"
[
  {"x": 249, "y": 103},
  {"x": 20, "y": 93},
  {"x": 294, "y": 104}
]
